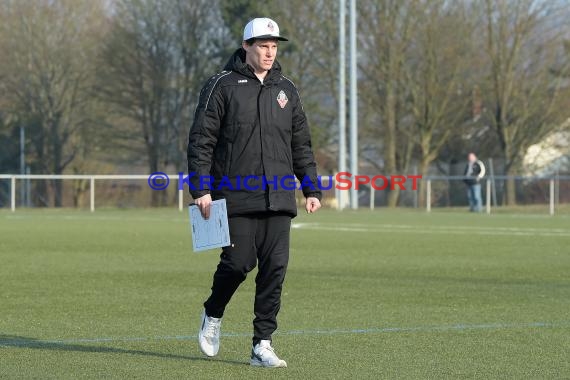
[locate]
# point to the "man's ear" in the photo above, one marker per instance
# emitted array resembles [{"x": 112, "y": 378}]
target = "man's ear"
[{"x": 244, "y": 45}]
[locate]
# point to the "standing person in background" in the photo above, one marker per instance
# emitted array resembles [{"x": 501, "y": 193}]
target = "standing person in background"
[
  {"x": 474, "y": 171},
  {"x": 250, "y": 122}
]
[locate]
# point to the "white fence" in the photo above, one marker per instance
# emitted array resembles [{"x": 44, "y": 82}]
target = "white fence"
[
  {"x": 551, "y": 191},
  {"x": 334, "y": 198},
  {"x": 487, "y": 183},
  {"x": 91, "y": 178}
]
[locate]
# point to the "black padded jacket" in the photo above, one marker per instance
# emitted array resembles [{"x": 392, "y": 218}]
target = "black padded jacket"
[{"x": 251, "y": 138}]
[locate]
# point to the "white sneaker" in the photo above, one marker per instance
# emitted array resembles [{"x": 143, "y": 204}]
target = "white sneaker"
[
  {"x": 263, "y": 355},
  {"x": 209, "y": 335}
]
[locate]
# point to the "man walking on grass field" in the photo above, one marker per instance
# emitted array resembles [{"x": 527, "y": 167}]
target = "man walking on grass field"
[{"x": 250, "y": 122}]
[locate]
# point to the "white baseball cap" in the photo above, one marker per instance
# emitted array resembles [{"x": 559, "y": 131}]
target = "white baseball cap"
[{"x": 262, "y": 28}]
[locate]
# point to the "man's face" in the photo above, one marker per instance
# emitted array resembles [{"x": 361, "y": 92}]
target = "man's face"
[
  {"x": 261, "y": 54},
  {"x": 471, "y": 157}
]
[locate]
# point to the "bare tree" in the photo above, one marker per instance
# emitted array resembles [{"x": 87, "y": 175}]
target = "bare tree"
[
  {"x": 385, "y": 32},
  {"x": 156, "y": 56},
  {"x": 523, "y": 92},
  {"x": 438, "y": 70},
  {"x": 46, "y": 76}
]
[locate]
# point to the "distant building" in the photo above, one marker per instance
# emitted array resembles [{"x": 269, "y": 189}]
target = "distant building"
[{"x": 550, "y": 156}]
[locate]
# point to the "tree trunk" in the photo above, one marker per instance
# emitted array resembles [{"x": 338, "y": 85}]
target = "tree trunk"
[
  {"x": 57, "y": 192},
  {"x": 155, "y": 195},
  {"x": 390, "y": 142},
  {"x": 510, "y": 185},
  {"x": 55, "y": 142},
  {"x": 79, "y": 189},
  {"x": 424, "y": 167}
]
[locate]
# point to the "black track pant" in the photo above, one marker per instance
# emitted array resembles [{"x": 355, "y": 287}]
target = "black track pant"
[{"x": 263, "y": 239}]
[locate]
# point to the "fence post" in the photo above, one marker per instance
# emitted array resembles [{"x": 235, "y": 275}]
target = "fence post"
[
  {"x": 13, "y": 193},
  {"x": 488, "y": 195},
  {"x": 92, "y": 193},
  {"x": 428, "y": 195},
  {"x": 493, "y": 183},
  {"x": 551, "y": 196},
  {"x": 371, "y": 198},
  {"x": 180, "y": 200}
]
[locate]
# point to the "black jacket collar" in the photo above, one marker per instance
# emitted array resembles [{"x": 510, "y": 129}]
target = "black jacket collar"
[{"x": 237, "y": 63}]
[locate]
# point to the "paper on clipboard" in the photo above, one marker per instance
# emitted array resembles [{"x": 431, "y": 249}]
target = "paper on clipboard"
[{"x": 212, "y": 232}]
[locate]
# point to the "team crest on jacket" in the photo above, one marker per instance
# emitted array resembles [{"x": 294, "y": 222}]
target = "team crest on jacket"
[{"x": 282, "y": 99}]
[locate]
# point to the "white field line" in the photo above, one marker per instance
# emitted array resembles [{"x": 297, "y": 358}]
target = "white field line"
[
  {"x": 349, "y": 227},
  {"x": 445, "y": 230},
  {"x": 23, "y": 342}
]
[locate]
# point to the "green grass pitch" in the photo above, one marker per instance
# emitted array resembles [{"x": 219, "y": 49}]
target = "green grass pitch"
[{"x": 369, "y": 295}]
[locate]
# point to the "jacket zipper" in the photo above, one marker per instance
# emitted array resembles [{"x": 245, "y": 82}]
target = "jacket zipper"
[{"x": 267, "y": 189}]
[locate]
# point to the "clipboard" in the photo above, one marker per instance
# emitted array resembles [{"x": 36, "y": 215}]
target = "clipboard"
[{"x": 209, "y": 233}]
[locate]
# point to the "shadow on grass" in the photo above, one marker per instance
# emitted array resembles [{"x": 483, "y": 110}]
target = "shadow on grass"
[{"x": 25, "y": 342}]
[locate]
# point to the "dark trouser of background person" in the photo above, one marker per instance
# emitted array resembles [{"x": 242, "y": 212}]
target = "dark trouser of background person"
[
  {"x": 474, "y": 197},
  {"x": 261, "y": 239}
]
